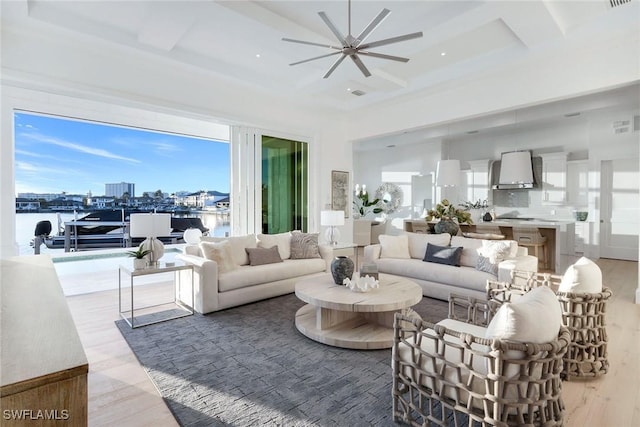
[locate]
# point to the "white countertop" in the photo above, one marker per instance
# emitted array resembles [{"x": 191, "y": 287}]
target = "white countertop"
[{"x": 541, "y": 223}]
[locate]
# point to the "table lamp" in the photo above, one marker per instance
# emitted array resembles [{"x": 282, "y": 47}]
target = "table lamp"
[
  {"x": 150, "y": 226},
  {"x": 192, "y": 236},
  {"x": 332, "y": 219}
]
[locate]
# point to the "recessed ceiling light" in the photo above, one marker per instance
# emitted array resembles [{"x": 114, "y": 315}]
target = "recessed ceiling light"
[
  {"x": 257, "y": 55},
  {"x": 348, "y": 89},
  {"x": 443, "y": 53},
  {"x": 391, "y": 145}
]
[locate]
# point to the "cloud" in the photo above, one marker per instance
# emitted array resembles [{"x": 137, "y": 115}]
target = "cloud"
[
  {"x": 32, "y": 168},
  {"x": 99, "y": 152},
  {"x": 164, "y": 148}
]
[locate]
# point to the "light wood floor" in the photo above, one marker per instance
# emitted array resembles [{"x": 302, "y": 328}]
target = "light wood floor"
[{"x": 120, "y": 392}]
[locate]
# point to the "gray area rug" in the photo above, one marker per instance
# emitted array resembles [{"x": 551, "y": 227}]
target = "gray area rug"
[{"x": 250, "y": 366}]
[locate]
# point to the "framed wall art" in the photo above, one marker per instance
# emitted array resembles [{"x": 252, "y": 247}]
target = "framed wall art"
[{"x": 340, "y": 192}]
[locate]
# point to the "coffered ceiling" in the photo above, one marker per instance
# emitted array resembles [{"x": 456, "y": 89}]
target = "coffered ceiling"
[{"x": 242, "y": 40}]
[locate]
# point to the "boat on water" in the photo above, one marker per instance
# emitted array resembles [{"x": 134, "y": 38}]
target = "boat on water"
[{"x": 104, "y": 229}]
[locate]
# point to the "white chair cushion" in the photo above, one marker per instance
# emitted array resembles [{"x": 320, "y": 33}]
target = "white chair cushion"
[
  {"x": 418, "y": 242},
  {"x": 395, "y": 246},
  {"x": 582, "y": 277},
  {"x": 535, "y": 317},
  {"x": 281, "y": 240}
]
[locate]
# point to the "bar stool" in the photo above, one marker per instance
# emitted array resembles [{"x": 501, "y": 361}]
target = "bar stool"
[{"x": 531, "y": 238}]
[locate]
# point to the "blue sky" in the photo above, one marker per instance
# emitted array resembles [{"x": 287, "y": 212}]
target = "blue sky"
[{"x": 55, "y": 155}]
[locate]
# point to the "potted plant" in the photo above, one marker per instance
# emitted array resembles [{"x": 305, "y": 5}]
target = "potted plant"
[
  {"x": 363, "y": 206},
  {"x": 139, "y": 260},
  {"x": 477, "y": 209},
  {"x": 449, "y": 217}
]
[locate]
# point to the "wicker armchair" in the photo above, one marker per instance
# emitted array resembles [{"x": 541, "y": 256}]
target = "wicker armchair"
[
  {"x": 582, "y": 313},
  {"x": 448, "y": 377}
]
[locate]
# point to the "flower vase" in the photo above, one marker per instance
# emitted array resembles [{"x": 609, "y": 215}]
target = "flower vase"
[
  {"x": 446, "y": 226},
  {"x": 341, "y": 268}
]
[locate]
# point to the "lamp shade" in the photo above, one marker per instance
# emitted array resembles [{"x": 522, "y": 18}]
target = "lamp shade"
[
  {"x": 448, "y": 173},
  {"x": 331, "y": 218},
  {"x": 149, "y": 225},
  {"x": 192, "y": 236}
]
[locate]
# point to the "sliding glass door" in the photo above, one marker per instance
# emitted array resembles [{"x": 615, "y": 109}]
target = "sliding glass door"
[{"x": 285, "y": 183}]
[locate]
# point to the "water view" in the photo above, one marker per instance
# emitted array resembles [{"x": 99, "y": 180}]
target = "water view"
[{"x": 26, "y": 223}]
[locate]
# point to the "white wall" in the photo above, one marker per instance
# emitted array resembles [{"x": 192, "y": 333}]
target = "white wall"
[{"x": 93, "y": 79}]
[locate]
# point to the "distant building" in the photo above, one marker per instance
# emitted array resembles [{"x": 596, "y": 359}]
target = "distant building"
[
  {"x": 26, "y": 205},
  {"x": 117, "y": 190},
  {"x": 37, "y": 196}
]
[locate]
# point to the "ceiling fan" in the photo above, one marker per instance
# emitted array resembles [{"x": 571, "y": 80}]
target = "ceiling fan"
[{"x": 355, "y": 46}]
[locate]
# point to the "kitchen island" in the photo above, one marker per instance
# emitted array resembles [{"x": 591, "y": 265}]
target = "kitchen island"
[{"x": 560, "y": 235}]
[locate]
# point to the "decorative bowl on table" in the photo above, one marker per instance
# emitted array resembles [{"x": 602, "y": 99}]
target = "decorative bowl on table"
[{"x": 580, "y": 215}]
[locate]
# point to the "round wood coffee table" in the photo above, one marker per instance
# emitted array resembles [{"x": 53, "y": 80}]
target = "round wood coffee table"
[{"x": 339, "y": 317}]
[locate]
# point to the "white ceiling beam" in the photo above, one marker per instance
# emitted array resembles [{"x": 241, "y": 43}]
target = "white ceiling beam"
[{"x": 167, "y": 23}]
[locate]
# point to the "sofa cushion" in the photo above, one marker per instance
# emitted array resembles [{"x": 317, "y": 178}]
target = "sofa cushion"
[
  {"x": 281, "y": 240},
  {"x": 463, "y": 277},
  {"x": 245, "y": 276},
  {"x": 219, "y": 252},
  {"x": 238, "y": 246},
  {"x": 394, "y": 246},
  {"x": 582, "y": 277},
  {"x": 304, "y": 245},
  {"x": 470, "y": 247},
  {"x": 261, "y": 256},
  {"x": 418, "y": 242},
  {"x": 535, "y": 317},
  {"x": 447, "y": 255}
]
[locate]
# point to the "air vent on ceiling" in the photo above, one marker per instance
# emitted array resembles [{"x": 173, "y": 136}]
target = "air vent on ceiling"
[
  {"x": 358, "y": 92},
  {"x": 616, "y": 3},
  {"x": 622, "y": 126}
]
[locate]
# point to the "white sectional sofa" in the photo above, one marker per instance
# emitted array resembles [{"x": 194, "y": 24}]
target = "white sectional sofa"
[
  {"x": 403, "y": 256},
  {"x": 230, "y": 281}
]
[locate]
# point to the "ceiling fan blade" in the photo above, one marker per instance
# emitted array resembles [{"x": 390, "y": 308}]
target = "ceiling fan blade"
[
  {"x": 360, "y": 65},
  {"x": 384, "y": 56},
  {"x": 334, "y": 66},
  {"x": 333, "y": 28},
  {"x": 314, "y": 58},
  {"x": 310, "y": 43},
  {"x": 391, "y": 40},
  {"x": 372, "y": 25}
]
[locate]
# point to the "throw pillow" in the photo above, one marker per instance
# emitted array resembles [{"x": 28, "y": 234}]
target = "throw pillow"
[
  {"x": 261, "y": 256},
  {"x": 304, "y": 245},
  {"x": 484, "y": 264},
  {"x": 281, "y": 240},
  {"x": 447, "y": 255},
  {"x": 493, "y": 252},
  {"x": 535, "y": 317},
  {"x": 238, "y": 244},
  {"x": 394, "y": 246},
  {"x": 418, "y": 242},
  {"x": 219, "y": 252},
  {"x": 582, "y": 277}
]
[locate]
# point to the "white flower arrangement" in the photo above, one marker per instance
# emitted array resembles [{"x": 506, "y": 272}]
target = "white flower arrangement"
[{"x": 361, "y": 284}]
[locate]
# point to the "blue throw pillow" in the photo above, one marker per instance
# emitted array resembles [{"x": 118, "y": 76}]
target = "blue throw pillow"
[{"x": 449, "y": 255}]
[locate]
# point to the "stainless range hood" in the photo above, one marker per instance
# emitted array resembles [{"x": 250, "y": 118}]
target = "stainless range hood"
[{"x": 516, "y": 171}]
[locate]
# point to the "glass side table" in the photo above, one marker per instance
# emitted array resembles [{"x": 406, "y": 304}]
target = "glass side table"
[{"x": 176, "y": 308}]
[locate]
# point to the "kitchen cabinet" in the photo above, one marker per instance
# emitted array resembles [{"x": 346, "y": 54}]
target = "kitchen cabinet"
[
  {"x": 554, "y": 178},
  {"x": 578, "y": 183}
]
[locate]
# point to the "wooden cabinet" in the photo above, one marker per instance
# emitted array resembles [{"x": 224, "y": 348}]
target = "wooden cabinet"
[
  {"x": 554, "y": 178},
  {"x": 43, "y": 369}
]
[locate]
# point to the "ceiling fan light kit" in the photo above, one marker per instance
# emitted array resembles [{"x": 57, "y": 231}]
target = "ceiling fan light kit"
[{"x": 353, "y": 47}]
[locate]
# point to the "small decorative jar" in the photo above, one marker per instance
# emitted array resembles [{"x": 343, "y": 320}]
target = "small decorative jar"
[{"x": 341, "y": 268}]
